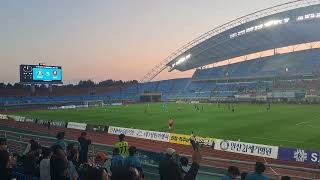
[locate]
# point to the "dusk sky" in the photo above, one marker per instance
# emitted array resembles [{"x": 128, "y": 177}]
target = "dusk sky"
[{"x": 107, "y": 39}]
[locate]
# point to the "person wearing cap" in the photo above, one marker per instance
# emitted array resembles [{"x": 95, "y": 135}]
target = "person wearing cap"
[
  {"x": 258, "y": 173},
  {"x": 169, "y": 169},
  {"x": 123, "y": 146},
  {"x": 100, "y": 159}
]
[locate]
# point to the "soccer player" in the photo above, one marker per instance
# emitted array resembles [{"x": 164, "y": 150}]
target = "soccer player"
[
  {"x": 122, "y": 146},
  {"x": 170, "y": 123}
]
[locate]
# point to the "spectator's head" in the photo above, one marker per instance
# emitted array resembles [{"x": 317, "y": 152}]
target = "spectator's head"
[
  {"x": 34, "y": 145},
  {"x": 124, "y": 173},
  {"x": 92, "y": 173},
  {"x": 60, "y": 135},
  {"x": 115, "y": 151},
  {"x": 132, "y": 150},
  {"x": 243, "y": 175},
  {"x": 4, "y": 159},
  {"x": 46, "y": 153},
  {"x": 233, "y": 172},
  {"x": 72, "y": 152},
  {"x": 3, "y": 144},
  {"x": 58, "y": 150},
  {"x": 121, "y": 137},
  {"x": 285, "y": 178},
  {"x": 184, "y": 161},
  {"x": 170, "y": 153},
  {"x": 260, "y": 167},
  {"x": 101, "y": 158},
  {"x": 83, "y": 134}
]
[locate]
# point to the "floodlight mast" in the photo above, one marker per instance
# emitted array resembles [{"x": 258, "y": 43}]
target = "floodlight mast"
[{"x": 166, "y": 63}]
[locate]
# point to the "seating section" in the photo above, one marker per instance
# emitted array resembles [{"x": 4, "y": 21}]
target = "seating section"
[{"x": 304, "y": 63}]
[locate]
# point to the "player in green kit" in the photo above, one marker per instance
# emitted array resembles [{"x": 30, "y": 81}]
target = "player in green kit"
[{"x": 122, "y": 146}]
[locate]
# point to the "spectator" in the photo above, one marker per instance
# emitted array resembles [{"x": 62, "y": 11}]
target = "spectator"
[
  {"x": 92, "y": 173},
  {"x": 60, "y": 140},
  {"x": 258, "y": 173},
  {"x": 243, "y": 175},
  {"x": 132, "y": 160},
  {"x": 58, "y": 167},
  {"x": 84, "y": 144},
  {"x": 169, "y": 168},
  {"x": 5, "y": 170},
  {"x": 126, "y": 173},
  {"x": 233, "y": 173},
  {"x": 184, "y": 165},
  {"x": 100, "y": 160},
  {"x": 32, "y": 145},
  {"x": 3, "y": 144},
  {"x": 30, "y": 163},
  {"x": 117, "y": 160},
  {"x": 45, "y": 164},
  {"x": 122, "y": 146},
  {"x": 285, "y": 178},
  {"x": 72, "y": 157}
]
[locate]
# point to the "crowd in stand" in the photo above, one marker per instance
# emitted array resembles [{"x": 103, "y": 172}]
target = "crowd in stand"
[{"x": 63, "y": 161}]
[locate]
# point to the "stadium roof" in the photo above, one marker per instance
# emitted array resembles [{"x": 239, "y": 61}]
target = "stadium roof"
[{"x": 284, "y": 25}]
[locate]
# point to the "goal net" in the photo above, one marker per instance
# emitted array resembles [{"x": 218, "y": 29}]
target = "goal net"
[{"x": 93, "y": 103}]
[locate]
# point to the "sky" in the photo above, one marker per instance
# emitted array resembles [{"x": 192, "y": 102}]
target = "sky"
[{"x": 107, "y": 39}]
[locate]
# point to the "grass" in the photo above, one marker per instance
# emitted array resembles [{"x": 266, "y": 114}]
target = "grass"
[{"x": 284, "y": 125}]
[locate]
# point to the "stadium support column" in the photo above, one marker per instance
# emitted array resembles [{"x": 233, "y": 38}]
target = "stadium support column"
[
  {"x": 33, "y": 89},
  {"x": 50, "y": 88}
]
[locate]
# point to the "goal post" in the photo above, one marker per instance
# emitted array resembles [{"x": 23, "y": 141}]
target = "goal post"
[{"x": 93, "y": 103}]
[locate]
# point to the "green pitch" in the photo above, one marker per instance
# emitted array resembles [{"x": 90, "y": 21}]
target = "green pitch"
[{"x": 284, "y": 125}]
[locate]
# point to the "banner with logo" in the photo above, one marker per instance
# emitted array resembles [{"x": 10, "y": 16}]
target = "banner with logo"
[
  {"x": 74, "y": 125},
  {"x": 17, "y": 118},
  {"x": 152, "y": 135},
  {"x": 3, "y": 116},
  {"x": 185, "y": 139},
  {"x": 299, "y": 155},
  {"x": 247, "y": 148}
]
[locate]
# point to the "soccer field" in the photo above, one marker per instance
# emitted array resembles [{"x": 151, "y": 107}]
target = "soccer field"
[{"x": 284, "y": 124}]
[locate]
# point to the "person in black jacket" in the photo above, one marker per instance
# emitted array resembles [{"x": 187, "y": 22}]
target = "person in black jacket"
[
  {"x": 5, "y": 170},
  {"x": 169, "y": 169},
  {"x": 84, "y": 146}
]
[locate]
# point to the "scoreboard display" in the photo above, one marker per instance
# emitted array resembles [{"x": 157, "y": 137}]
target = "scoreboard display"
[{"x": 40, "y": 74}]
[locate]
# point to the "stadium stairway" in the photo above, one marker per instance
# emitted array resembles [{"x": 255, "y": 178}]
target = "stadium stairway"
[{"x": 156, "y": 146}]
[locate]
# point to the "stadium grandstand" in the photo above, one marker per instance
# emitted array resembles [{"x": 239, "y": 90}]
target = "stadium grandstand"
[{"x": 272, "y": 55}]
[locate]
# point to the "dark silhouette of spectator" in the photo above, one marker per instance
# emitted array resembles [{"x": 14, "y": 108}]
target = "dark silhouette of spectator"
[
  {"x": 92, "y": 173},
  {"x": 243, "y": 175},
  {"x": 258, "y": 173},
  {"x": 31, "y": 160},
  {"x": 3, "y": 144},
  {"x": 5, "y": 169},
  {"x": 169, "y": 169},
  {"x": 126, "y": 173},
  {"x": 123, "y": 146},
  {"x": 45, "y": 164},
  {"x": 58, "y": 167},
  {"x": 233, "y": 173},
  {"x": 73, "y": 159},
  {"x": 84, "y": 146},
  {"x": 285, "y": 178},
  {"x": 132, "y": 160},
  {"x": 117, "y": 160},
  {"x": 60, "y": 140},
  {"x": 184, "y": 165}
]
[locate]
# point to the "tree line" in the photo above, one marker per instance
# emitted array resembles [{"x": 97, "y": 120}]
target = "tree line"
[{"x": 81, "y": 84}]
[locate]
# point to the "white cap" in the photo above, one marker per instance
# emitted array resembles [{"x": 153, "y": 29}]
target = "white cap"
[{"x": 170, "y": 151}]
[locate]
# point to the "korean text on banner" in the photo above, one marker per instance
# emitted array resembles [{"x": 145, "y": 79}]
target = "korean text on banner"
[
  {"x": 74, "y": 125},
  {"x": 299, "y": 155},
  {"x": 152, "y": 135},
  {"x": 247, "y": 148},
  {"x": 185, "y": 139}
]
